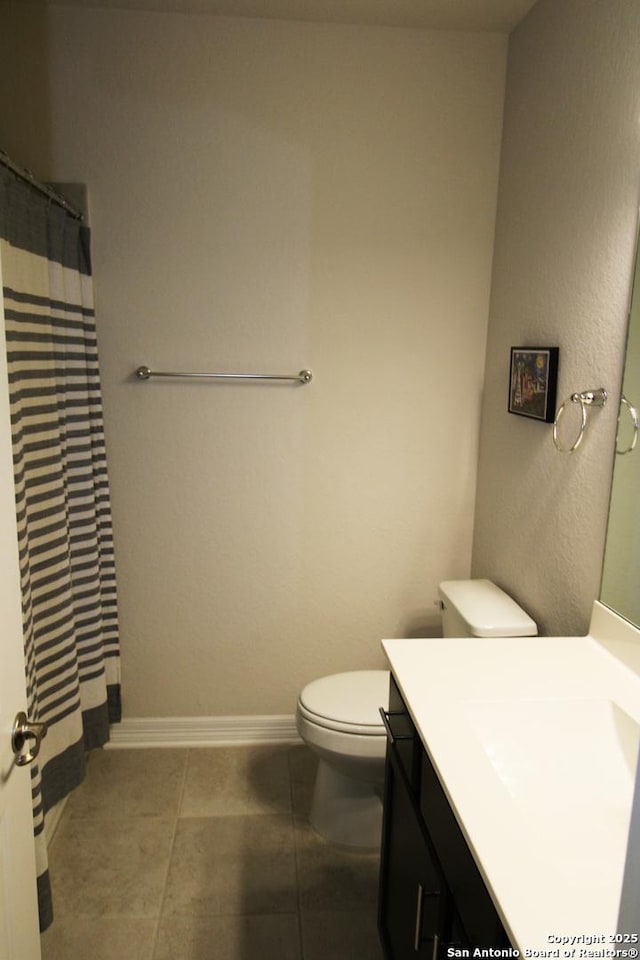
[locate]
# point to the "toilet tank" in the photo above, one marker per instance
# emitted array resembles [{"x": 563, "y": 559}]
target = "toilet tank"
[{"x": 479, "y": 608}]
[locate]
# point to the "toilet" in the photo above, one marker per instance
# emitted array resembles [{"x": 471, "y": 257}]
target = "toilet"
[{"x": 338, "y": 717}]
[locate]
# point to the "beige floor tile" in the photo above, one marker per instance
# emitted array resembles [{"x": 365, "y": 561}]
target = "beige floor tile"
[
  {"x": 97, "y": 938},
  {"x": 274, "y": 937},
  {"x": 303, "y": 764},
  {"x": 231, "y": 880},
  {"x": 130, "y": 783},
  {"x": 232, "y": 865},
  {"x": 334, "y": 878},
  {"x": 341, "y": 936},
  {"x": 301, "y": 799},
  {"x": 236, "y": 781},
  {"x": 110, "y": 867}
]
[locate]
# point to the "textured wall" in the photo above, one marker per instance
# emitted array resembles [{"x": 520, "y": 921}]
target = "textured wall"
[
  {"x": 564, "y": 246},
  {"x": 269, "y": 196}
]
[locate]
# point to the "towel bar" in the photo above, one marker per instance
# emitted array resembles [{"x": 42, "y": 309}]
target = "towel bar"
[{"x": 305, "y": 376}]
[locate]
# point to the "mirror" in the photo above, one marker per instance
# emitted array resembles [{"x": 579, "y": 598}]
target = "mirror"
[{"x": 621, "y": 571}]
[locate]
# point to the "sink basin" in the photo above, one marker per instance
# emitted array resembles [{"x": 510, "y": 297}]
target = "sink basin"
[{"x": 568, "y": 767}]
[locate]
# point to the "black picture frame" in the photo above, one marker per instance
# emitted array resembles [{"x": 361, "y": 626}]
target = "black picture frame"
[{"x": 533, "y": 378}]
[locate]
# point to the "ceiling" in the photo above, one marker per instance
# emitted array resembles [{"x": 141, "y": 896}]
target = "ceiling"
[{"x": 485, "y": 15}]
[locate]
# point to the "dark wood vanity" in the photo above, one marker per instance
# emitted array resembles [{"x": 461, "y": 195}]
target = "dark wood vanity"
[{"x": 433, "y": 901}]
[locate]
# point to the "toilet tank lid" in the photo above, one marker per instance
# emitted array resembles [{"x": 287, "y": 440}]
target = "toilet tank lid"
[{"x": 488, "y": 610}]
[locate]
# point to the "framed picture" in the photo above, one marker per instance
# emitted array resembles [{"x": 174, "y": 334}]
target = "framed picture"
[{"x": 532, "y": 382}]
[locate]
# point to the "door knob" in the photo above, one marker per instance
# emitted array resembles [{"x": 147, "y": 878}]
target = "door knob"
[{"x": 25, "y": 730}]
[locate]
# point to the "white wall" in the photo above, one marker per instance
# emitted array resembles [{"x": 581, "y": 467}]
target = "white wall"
[
  {"x": 271, "y": 196},
  {"x": 565, "y": 239}
]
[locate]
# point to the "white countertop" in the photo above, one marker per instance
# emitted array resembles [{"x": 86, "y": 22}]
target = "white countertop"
[{"x": 523, "y": 733}]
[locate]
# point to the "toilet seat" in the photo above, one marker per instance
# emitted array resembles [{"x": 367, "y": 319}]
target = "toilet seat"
[{"x": 347, "y": 702}]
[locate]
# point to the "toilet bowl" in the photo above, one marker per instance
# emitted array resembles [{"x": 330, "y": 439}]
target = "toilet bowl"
[{"x": 338, "y": 717}]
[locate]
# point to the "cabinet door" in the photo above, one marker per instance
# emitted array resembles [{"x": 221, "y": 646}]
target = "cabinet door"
[
  {"x": 412, "y": 895},
  {"x": 472, "y": 901}
]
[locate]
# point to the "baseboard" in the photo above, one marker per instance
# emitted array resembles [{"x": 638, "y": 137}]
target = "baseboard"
[{"x": 202, "y": 731}]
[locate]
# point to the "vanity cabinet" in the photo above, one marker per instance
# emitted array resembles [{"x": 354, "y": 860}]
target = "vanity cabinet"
[{"x": 432, "y": 896}]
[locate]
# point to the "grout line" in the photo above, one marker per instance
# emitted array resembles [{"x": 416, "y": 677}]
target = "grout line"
[
  {"x": 154, "y": 938},
  {"x": 295, "y": 857}
]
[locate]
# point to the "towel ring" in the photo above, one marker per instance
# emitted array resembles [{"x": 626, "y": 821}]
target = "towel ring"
[
  {"x": 586, "y": 399},
  {"x": 633, "y": 413}
]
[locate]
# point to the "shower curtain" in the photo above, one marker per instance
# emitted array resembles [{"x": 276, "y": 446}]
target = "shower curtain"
[{"x": 67, "y": 570}]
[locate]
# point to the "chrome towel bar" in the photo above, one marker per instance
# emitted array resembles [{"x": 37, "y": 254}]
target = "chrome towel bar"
[{"x": 305, "y": 376}]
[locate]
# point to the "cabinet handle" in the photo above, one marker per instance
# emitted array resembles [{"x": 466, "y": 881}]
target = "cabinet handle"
[
  {"x": 418, "y": 931},
  {"x": 385, "y": 714},
  {"x": 436, "y": 943},
  {"x": 417, "y": 937}
]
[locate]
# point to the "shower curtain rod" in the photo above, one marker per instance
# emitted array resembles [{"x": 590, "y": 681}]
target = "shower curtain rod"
[{"x": 29, "y": 178}]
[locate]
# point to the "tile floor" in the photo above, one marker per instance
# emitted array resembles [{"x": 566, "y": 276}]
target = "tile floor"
[{"x": 205, "y": 854}]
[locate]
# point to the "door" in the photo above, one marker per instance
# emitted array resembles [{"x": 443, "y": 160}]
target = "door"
[{"x": 19, "y": 934}]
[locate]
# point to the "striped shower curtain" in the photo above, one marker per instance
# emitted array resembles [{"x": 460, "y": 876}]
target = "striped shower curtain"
[{"x": 62, "y": 496}]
